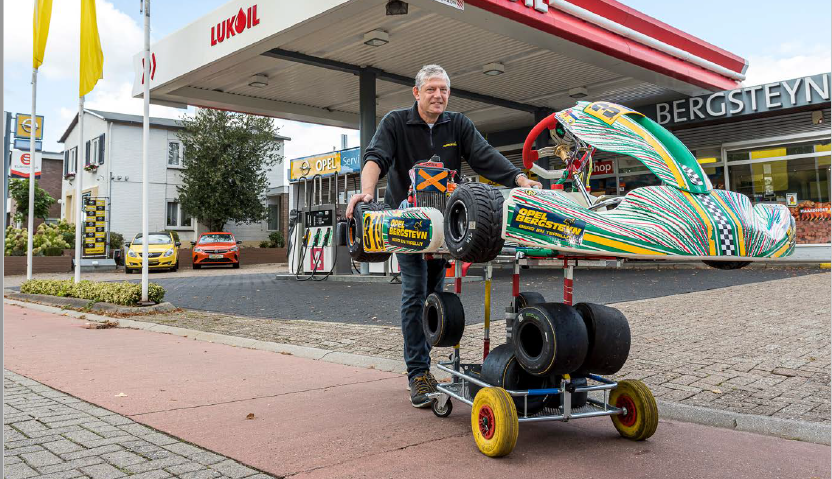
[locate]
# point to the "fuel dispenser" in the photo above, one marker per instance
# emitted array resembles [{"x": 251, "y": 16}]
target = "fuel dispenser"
[{"x": 316, "y": 251}]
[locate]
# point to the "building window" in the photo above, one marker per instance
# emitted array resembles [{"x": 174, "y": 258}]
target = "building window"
[
  {"x": 173, "y": 214},
  {"x": 70, "y": 161},
  {"x": 174, "y": 153},
  {"x": 274, "y": 217},
  {"x": 186, "y": 218}
]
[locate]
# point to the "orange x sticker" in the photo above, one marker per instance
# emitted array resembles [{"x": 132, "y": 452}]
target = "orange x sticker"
[{"x": 432, "y": 180}]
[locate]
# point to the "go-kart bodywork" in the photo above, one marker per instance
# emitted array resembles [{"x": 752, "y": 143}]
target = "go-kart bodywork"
[{"x": 684, "y": 218}]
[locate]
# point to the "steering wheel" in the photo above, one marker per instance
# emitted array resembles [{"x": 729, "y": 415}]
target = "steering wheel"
[{"x": 530, "y": 155}]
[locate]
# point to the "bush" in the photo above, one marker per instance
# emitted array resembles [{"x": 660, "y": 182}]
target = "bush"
[
  {"x": 126, "y": 294},
  {"x": 265, "y": 244},
  {"x": 48, "y": 240},
  {"x": 175, "y": 236},
  {"x": 276, "y": 239},
  {"x": 116, "y": 241}
]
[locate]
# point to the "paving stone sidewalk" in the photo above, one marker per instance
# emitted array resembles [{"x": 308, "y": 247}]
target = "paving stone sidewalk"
[
  {"x": 759, "y": 348},
  {"x": 50, "y": 435}
]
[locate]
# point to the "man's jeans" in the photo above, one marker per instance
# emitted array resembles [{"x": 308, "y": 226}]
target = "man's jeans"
[{"x": 419, "y": 278}]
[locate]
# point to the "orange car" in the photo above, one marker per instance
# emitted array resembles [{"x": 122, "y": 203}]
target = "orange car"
[{"x": 215, "y": 249}]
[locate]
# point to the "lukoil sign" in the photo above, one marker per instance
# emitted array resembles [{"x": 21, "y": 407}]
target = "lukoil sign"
[
  {"x": 810, "y": 90},
  {"x": 235, "y": 25}
]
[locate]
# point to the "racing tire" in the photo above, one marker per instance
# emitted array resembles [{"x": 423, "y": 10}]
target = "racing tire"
[
  {"x": 443, "y": 319},
  {"x": 494, "y": 422},
  {"x": 549, "y": 338},
  {"x": 473, "y": 223},
  {"x": 500, "y": 368},
  {"x": 609, "y": 339},
  {"x": 527, "y": 298},
  {"x": 727, "y": 265},
  {"x": 355, "y": 234},
  {"x": 642, "y": 417}
]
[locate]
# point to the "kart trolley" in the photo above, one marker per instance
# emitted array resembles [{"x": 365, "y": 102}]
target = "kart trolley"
[{"x": 497, "y": 410}]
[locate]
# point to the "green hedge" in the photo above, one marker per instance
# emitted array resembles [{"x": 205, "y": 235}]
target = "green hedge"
[{"x": 127, "y": 294}]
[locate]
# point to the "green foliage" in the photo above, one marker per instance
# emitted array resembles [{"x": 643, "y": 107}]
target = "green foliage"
[
  {"x": 127, "y": 294},
  {"x": 276, "y": 239},
  {"x": 19, "y": 191},
  {"x": 67, "y": 231},
  {"x": 227, "y": 158},
  {"x": 116, "y": 241},
  {"x": 265, "y": 244},
  {"x": 175, "y": 236},
  {"x": 48, "y": 240}
]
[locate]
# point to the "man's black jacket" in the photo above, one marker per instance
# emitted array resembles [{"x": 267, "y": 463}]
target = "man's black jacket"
[{"x": 403, "y": 139}]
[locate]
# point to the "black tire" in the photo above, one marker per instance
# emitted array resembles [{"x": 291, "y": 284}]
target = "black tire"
[
  {"x": 501, "y": 369},
  {"x": 473, "y": 217},
  {"x": 527, "y": 298},
  {"x": 197, "y": 266},
  {"x": 443, "y": 319},
  {"x": 549, "y": 338},
  {"x": 236, "y": 265},
  {"x": 578, "y": 399},
  {"x": 727, "y": 264},
  {"x": 128, "y": 270},
  {"x": 355, "y": 234},
  {"x": 176, "y": 266},
  {"x": 609, "y": 339},
  {"x": 444, "y": 411}
]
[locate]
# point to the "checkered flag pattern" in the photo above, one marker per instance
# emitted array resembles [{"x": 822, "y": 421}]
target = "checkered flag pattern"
[
  {"x": 692, "y": 176},
  {"x": 725, "y": 233}
]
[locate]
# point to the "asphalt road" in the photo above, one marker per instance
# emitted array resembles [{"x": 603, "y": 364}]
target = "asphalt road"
[{"x": 260, "y": 295}]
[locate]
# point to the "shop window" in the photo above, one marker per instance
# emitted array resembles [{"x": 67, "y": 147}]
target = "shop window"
[
  {"x": 629, "y": 183},
  {"x": 630, "y": 165},
  {"x": 603, "y": 186},
  {"x": 770, "y": 181}
]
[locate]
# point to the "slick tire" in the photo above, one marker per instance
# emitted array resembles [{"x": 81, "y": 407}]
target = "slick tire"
[
  {"x": 609, "y": 339},
  {"x": 501, "y": 369},
  {"x": 726, "y": 265},
  {"x": 549, "y": 338},
  {"x": 443, "y": 319},
  {"x": 473, "y": 217},
  {"x": 355, "y": 234},
  {"x": 527, "y": 298}
]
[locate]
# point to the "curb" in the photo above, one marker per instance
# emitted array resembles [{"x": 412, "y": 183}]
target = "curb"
[
  {"x": 58, "y": 301},
  {"x": 818, "y": 433}
]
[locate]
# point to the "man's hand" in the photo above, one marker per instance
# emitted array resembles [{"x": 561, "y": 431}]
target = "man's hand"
[
  {"x": 356, "y": 198},
  {"x": 524, "y": 182}
]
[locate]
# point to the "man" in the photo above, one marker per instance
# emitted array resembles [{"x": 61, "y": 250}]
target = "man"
[{"x": 406, "y": 137}]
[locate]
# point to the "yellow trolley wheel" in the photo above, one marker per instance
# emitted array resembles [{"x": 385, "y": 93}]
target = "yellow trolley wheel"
[
  {"x": 494, "y": 422},
  {"x": 642, "y": 415}
]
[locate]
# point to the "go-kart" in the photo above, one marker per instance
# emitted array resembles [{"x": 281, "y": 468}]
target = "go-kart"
[{"x": 684, "y": 218}]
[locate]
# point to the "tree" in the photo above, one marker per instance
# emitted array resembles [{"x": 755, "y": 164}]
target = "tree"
[
  {"x": 227, "y": 157},
  {"x": 19, "y": 191}
]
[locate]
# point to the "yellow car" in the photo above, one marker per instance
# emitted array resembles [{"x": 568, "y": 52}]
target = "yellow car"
[{"x": 163, "y": 253}]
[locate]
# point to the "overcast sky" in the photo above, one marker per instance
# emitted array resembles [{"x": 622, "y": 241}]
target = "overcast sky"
[{"x": 781, "y": 40}]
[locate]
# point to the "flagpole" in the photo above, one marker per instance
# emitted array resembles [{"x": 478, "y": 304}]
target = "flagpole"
[
  {"x": 79, "y": 208},
  {"x": 32, "y": 138},
  {"x": 145, "y": 143}
]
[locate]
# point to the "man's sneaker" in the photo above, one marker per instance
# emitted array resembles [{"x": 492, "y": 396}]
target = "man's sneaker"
[
  {"x": 420, "y": 387},
  {"x": 431, "y": 380}
]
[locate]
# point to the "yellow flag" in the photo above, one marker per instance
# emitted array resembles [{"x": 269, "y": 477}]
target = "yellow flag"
[
  {"x": 41, "y": 31},
  {"x": 92, "y": 58}
]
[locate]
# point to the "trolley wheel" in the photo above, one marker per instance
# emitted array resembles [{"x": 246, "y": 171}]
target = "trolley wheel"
[
  {"x": 642, "y": 415},
  {"x": 494, "y": 422},
  {"x": 444, "y": 411}
]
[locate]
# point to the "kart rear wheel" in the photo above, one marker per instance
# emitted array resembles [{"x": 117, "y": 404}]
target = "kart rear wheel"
[
  {"x": 642, "y": 417},
  {"x": 494, "y": 422},
  {"x": 726, "y": 265},
  {"x": 501, "y": 369},
  {"x": 473, "y": 229},
  {"x": 609, "y": 339},
  {"x": 443, "y": 319},
  {"x": 549, "y": 338},
  {"x": 355, "y": 234}
]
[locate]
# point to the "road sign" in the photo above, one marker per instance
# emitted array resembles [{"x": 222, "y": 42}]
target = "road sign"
[{"x": 24, "y": 127}]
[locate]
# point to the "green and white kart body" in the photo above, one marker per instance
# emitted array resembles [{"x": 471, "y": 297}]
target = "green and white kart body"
[{"x": 682, "y": 219}]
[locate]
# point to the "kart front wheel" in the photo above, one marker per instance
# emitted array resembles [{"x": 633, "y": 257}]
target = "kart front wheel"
[
  {"x": 642, "y": 414},
  {"x": 473, "y": 229}
]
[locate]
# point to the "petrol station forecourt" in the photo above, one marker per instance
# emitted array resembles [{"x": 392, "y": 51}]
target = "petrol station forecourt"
[{"x": 281, "y": 394}]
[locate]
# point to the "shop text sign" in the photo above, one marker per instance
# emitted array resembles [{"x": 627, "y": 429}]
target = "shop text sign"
[
  {"x": 602, "y": 168},
  {"x": 237, "y": 24},
  {"x": 340, "y": 162},
  {"x": 810, "y": 90},
  {"x": 22, "y": 164}
]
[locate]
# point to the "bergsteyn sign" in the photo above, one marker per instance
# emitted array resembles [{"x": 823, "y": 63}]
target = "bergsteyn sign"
[{"x": 810, "y": 90}]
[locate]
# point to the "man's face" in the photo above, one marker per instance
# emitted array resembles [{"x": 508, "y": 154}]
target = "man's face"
[{"x": 432, "y": 97}]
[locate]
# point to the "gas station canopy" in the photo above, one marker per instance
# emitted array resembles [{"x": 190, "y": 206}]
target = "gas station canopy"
[{"x": 507, "y": 59}]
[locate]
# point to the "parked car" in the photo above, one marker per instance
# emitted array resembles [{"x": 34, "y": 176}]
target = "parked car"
[
  {"x": 163, "y": 252},
  {"x": 216, "y": 248}
]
